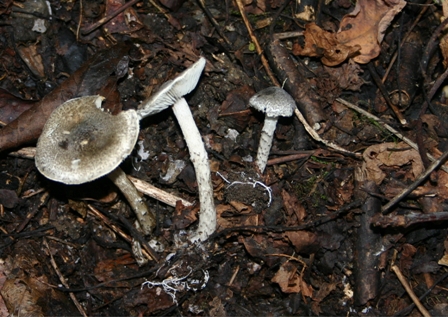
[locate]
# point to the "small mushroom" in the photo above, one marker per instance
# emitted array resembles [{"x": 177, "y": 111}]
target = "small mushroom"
[
  {"x": 275, "y": 102},
  {"x": 80, "y": 143},
  {"x": 171, "y": 93}
]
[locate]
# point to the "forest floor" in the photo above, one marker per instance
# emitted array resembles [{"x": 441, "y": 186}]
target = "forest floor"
[{"x": 347, "y": 219}]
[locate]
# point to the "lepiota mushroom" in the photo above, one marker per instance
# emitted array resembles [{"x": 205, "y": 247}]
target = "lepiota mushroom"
[
  {"x": 275, "y": 102},
  {"x": 171, "y": 93},
  {"x": 80, "y": 143}
]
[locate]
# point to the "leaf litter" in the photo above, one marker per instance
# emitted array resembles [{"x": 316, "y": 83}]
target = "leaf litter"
[{"x": 286, "y": 240}]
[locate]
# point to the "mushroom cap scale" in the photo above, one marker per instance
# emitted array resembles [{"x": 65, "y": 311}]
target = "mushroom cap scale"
[
  {"x": 80, "y": 142},
  {"x": 173, "y": 90},
  {"x": 274, "y": 101}
]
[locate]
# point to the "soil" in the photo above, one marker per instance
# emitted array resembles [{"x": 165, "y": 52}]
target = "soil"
[{"x": 325, "y": 230}]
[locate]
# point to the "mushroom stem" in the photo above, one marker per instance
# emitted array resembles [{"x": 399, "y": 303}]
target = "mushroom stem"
[
  {"x": 267, "y": 134},
  {"x": 145, "y": 217},
  {"x": 199, "y": 158}
]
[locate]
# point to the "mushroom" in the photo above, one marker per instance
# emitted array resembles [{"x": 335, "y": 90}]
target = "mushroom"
[
  {"x": 171, "y": 93},
  {"x": 80, "y": 143},
  {"x": 275, "y": 102}
]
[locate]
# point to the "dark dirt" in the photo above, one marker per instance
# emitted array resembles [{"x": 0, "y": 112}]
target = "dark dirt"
[{"x": 295, "y": 241}]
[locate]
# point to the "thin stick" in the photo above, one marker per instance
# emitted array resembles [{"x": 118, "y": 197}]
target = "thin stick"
[
  {"x": 63, "y": 280},
  {"x": 109, "y": 17},
  {"x": 157, "y": 193},
  {"x": 410, "y": 292},
  {"x": 409, "y": 32},
  {"x": 254, "y": 39},
  {"x": 417, "y": 182},
  {"x": 141, "y": 185},
  {"x": 214, "y": 22},
  {"x": 317, "y": 137},
  {"x": 148, "y": 253},
  {"x": 388, "y": 127},
  {"x": 376, "y": 78}
]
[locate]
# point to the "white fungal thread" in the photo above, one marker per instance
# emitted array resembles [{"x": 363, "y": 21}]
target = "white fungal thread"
[
  {"x": 174, "y": 284},
  {"x": 267, "y": 188}
]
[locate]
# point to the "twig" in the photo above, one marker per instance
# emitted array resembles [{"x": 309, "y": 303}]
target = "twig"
[
  {"x": 289, "y": 158},
  {"x": 417, "y": 182},
  {"x": 142, "y": 186},
  {"x": 317, "y": 137},
  {"x": 388, "y": 127},
  {"x": 157, "y": 193},
  {"x": 385, "y": 94},
  {"x": 405, "y": 38},
  {"x": 63, "y": 280},
  {"x": 214, "y": 22},
  {"x": 109, "y": 17},
  {"x": 78, "y": 28},
  {"x": 410, "y": 292},
  {"x": 148, "y": 253},
  {"x": 257, "y": 44}
]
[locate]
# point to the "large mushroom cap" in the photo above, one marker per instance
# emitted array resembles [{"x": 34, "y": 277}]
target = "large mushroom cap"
[
  {"x": 274, "y": 101},
  {"x": 81, "y": 143}
]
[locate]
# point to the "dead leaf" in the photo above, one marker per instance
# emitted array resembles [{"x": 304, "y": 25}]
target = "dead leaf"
[
  {"x": 303, "y": 241},
  {"x": 347, "y": 76},
  {"x": 293, "y": 207},
  {"x": 32, "y": 59},
  {"x": 323, "y": 44},
  {"x": 365, "y": 26},
  {"x": 125, "y": 22},
  {"x": 407, "y": 252},
  {"x": 11, "y": 106},
  {"x": 389, "y": 154},
  {"x": 287, "y": 278}
]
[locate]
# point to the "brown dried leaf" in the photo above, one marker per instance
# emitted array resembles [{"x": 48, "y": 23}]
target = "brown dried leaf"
[
  {"x": 125, "y": 22},
  {"x": 320, "y": 43},
  {"x": 302, "y": 240},
  {"x": 288, "y": 279},
  {"x": 366, "y": 24},
  {"x": 407, "y": 252},
  {"x": 347, "y": 76},
  {"x": 293, "y": 206},
  {"x": 389, "y": 154},
  {"x": 11, "y": 106}
]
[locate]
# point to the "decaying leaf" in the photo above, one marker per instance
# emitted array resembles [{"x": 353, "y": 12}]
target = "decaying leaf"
[
  {"x": 347, "y": 76},
  {"x": 290, "y": 281},
  {"x": 287, "y": 278},
  {"x": 359, "y": 36},
  {"x": 303, "y": 241},
  {"x": 293, "y": 207},
  {"x": 389, "y": 154},
  {"x": 366, "y": 24},
  {"x": 320, "y": 43}
]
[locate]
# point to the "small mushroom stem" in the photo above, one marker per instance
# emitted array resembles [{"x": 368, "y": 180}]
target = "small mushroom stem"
[
  {"x": 145, "y": 217},
  {"x": 264, "y": 147},
  {"x": 199, "y": 158}
]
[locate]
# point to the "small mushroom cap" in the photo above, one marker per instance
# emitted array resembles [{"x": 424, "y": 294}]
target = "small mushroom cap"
[
  {"x": 274, "y": 101},
  {"x": 80, "y": 142},
  {"x": 173, "y": 90}
]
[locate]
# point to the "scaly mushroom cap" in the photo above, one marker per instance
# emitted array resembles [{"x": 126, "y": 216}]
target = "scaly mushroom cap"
[
  {"x": 80, "y": 142},
  {"x": 274, "y": 101}
]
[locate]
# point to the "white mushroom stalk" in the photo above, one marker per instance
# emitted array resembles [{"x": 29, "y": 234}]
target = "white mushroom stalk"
[
  {"x": 171, "y": 93},
  {"x": 80, "y": 143},
  {"x": 275, "y": 102}
]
